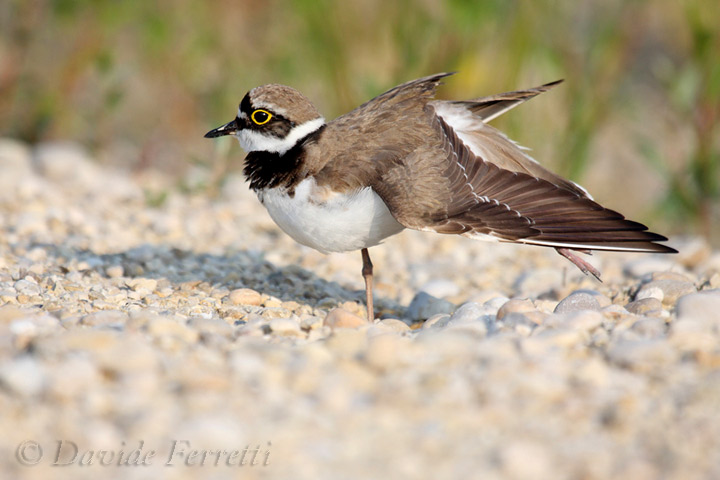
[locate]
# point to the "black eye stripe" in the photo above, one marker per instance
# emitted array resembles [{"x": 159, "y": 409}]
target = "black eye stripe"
[
  {"x": 245, "y": 104},
  {"x": 247, "y": 108}
]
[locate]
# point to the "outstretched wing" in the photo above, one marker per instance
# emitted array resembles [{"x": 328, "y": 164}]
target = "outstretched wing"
[
  {"x": 460, "y": 192},
  {"x": 519, "y": 207}
]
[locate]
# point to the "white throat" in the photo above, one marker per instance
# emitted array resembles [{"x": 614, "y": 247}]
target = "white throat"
[{"x": 254, "y": 141}]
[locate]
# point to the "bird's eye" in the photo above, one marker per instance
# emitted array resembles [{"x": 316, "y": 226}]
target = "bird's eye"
[{"x": 261, "y": 117}]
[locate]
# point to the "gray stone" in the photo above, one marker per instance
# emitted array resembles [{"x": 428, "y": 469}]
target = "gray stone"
[
  {"x": 603, "y": 300},
  {"x": 424, "y": 306},
  {"x": 474, "y": 312},
  {"x": 439, "y": 320},
  {"x": 702, "y": 306},
  {"x": 495, "y": 303},
  {"x": 578, "y": 301},
  {"x": 27, "y": 286}
]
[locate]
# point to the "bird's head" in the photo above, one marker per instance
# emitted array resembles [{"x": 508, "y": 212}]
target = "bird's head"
[{"x": 271, "y": 118}]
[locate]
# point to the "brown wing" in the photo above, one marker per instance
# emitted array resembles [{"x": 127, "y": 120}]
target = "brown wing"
[{"x": 481, "y": 198}]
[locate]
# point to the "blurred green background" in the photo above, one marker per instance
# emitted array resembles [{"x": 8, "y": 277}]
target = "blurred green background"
[{"x": 139, "y": 82}]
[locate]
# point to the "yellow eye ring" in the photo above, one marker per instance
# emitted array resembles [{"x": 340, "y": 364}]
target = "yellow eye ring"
[{"x": 261, "y": 117}]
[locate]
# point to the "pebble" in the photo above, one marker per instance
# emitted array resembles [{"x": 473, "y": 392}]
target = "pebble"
[
  {"x": 495, "y": 303},
  {"x": 23, "y": 376},
  {"x": 653, "y": 292},
  {"x": 670, "y": 290},
  {"x": 115, "y": 271},
  {"x": 474, "y": 312},
  {"x": 393, "y": 325},
  {"x": 516, "y": 306},
  {"x": 437, "y": 321},
  {"x": 578, "y": 301},
  {"x": 341, "y": 318},
  {"x": 245, "y": 296},
  {"x": 424, "y": 306},
  {"x": 148, "y": 284},
  {"x": 645, "y": 306},
  {"x": 703, "y": 307}
]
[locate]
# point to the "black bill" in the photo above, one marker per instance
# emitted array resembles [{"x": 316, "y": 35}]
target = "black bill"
[{"x": 227, "y": 129}]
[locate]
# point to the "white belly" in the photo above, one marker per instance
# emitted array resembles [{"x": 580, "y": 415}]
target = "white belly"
[{"x": 330, "y": 222}]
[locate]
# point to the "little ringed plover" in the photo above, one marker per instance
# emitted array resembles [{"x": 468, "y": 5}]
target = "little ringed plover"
[{"x": 404, "y": 160}]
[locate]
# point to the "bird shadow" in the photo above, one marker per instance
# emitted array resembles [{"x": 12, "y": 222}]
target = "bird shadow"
[{"x": 230, "y": 270}]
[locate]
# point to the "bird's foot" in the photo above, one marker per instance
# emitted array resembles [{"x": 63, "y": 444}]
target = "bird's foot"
[{"x": 584, "y": 266}]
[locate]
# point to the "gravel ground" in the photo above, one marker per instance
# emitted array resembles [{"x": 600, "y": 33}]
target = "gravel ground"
[{"x": 196, "y": 334}]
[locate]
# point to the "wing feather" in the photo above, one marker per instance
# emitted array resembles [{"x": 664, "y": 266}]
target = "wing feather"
[{"x": 518, "y": 207}]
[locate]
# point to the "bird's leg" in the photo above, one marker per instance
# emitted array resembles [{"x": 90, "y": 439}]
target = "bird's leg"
[
  {"x": 367, "y": 273},
  {"x": 584, "y": 266}
]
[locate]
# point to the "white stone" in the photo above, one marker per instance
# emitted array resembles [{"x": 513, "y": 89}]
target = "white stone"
[{"x": 24, "y": 376}]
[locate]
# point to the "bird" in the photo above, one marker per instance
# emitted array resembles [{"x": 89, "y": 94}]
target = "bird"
[{"x": 405, "y": 160}]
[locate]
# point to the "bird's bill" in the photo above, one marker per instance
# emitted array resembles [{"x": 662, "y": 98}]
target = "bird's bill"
[{"x": 227, "y": 129}]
